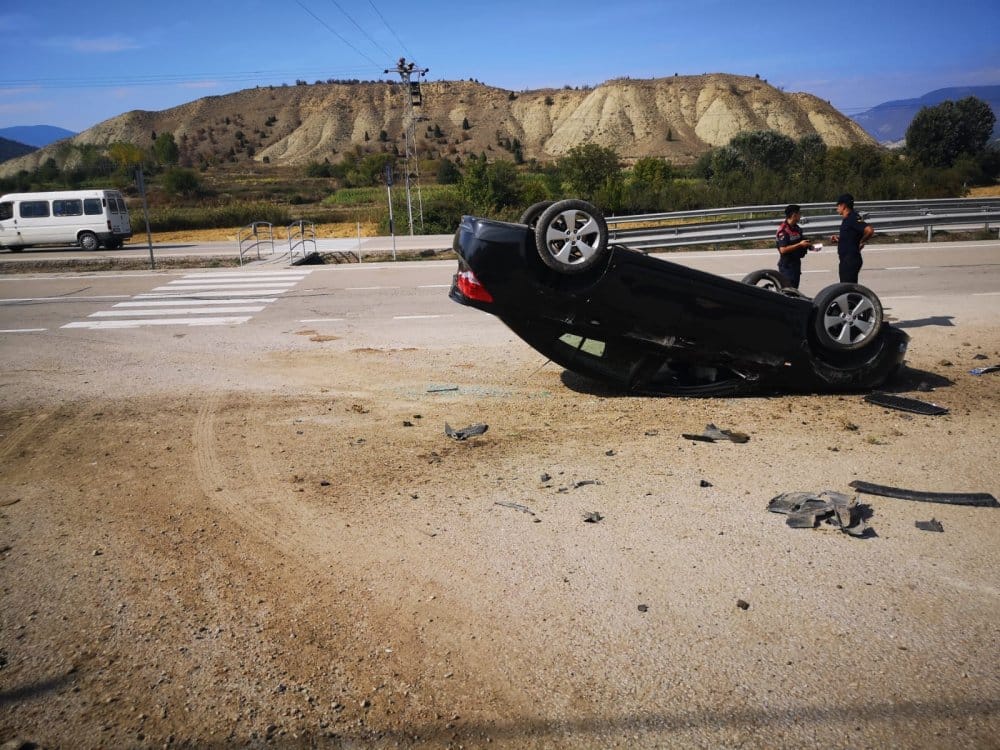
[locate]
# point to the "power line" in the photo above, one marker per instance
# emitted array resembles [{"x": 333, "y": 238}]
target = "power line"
[
  {"x": 332, "y": 31},
  {"x": 365, "y": 33},
  {"x": 390, "y": 28}
]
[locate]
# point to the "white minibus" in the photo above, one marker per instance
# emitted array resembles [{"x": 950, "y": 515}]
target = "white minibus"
[{"x": 88, "y": 218}]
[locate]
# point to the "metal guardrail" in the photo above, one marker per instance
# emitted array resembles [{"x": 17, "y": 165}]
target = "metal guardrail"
[
  {"x": 301, "y": 234},
  {"x": 886, "y": 216}
]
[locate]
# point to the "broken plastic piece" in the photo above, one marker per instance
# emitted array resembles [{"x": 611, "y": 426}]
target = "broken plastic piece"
[
  {"x": 980, "y": 499},
  {"x": 713, "y": 433},
  {"x": 593, "y": 517},
  {"x": 902, "y": 403},
  {"x": 984, "y": 370},
  {"x": 932, "y": 525},
  {"x": 465, "y": 432},
  {"x": 806, "y": 509},
  {"x": 515, "y": 506}
]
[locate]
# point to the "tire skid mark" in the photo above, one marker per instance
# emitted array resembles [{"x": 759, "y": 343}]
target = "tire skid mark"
[
  {"x": 257, "y": 507},
  {"x": 20, "y": 434}
]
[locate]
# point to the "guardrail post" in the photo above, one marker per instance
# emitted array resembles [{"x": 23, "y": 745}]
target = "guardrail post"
[{"x": 930, "y": 230}]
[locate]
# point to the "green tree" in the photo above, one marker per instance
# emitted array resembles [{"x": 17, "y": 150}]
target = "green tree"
[
  {"x": 652, "y": 172},
  {"x": 939, "y": 135},
  {"x": 488, "y": 188},
  {"x": 125, "y": 155},
  {"x": 589, "y": 168},
  {"x": 181, "y": 182},
  {"x": 165, "y": 149},
  {"x": 448, "y": 173},
  {"x": 764, "y": 149}
]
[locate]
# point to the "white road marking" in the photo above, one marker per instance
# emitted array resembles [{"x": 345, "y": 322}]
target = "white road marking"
[
  {"x": 418, "y": 317},
  {"x": 435, "y": 286},
  {"x": 911, "y": 296},
  {"x": 174, "y": 303},
  {"x": 985, "y": 294},
  {"x": 22, "y": 330},
  {"x": 158, "y": 322},
  {"x": 901, "y": 268},
  {"x": 181, "y": 311},
  {"x": 199, "y": 295},
  {"x": 367, "y": 288},
  {"x": 59, "y": 299},
  {"x": 185, "y": 298},
  {"x": 322, "y": 320}
]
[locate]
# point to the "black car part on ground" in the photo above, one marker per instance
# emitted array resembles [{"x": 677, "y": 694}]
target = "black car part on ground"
[
  {"x": 657, "y": 327},
  {"x": 979, "y": 499}
]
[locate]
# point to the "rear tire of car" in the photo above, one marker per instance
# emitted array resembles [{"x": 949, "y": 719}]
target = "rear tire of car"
[
  {"x": 847, "y": 317},
  {"x": 533, "y": 212},
  {"x": 571, "y": 236},
  {"x": 88, "y": 241},
  {"x": 766, "y": 279}
]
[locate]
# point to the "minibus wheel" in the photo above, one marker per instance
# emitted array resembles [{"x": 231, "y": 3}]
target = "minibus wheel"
[{"x": 88, "y": 241}]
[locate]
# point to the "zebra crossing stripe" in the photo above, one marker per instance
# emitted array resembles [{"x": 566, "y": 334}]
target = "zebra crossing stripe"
[{"x": 202, "y": 299}]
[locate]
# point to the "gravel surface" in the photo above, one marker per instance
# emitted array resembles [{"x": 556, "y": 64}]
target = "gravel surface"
[{"x": 305, "y": 563}]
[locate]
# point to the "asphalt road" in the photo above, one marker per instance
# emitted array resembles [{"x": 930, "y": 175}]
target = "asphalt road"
[{"x": 406, "y": 302}]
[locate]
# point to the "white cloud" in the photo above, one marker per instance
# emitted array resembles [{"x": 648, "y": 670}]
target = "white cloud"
[{"x": 93, "y": 45}]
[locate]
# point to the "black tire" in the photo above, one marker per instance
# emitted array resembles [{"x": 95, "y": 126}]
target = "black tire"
[
  {"x": 533, "y": 212},
  {"x": 848, "y": 317},
  {"x": 571, "y": 236},
  {"x": 88, "y": 241},
  {"x": 766, "y": 279}
]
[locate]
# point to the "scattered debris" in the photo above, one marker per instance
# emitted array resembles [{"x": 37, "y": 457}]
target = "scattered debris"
[
  {"x": 902, "y": 403},
  {"x": 515, "y": 506},
  {"x": 609, "y": 452},
  {"x": 442, "y": 388},
  {"x": 984, "y": 370},
  {"x": 643, "y": 607},
  {"x": 585, "y": 482},
  {"x": 980, "y": 499},
  {"x": 466, "y": 432},
  {"x": 980, "y": 357},
  {"x": 743, "y": 604},
  {"x": 651, "y": 433},
  {"x": 545, "y": 478},
  {"x": 806, "y": 509},
  {"x": 359, "y": 409},
  {"x": 407, "y": 423},
  {"x": 713, "y": 433},
  {"x": 932, "y": 525},
  {"x": 593, "y": 517},
  {"x": 704, "y": 483}
]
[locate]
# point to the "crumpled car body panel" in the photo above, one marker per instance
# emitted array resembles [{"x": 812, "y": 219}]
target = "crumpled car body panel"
[{"x": 652, "y": 326}]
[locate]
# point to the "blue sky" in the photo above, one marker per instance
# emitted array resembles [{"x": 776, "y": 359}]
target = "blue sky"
[{"x": 74, "y": 64}]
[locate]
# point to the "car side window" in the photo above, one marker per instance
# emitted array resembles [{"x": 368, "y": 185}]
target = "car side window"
[
  {"x": 34, "y": 209},
  {"x": 72, "y": 207},
  {"x": 92, "y": 207},
  {"x": 6, "y": 210}
]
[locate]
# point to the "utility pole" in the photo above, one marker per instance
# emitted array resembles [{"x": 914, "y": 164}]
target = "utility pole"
[{"x": 410, "y": 75}]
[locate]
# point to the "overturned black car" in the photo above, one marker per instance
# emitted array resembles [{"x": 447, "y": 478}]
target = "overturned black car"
[{"x": 655, "y": 327}]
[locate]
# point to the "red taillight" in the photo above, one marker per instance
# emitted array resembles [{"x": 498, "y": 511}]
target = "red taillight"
[{"x": 469, "y": 286}]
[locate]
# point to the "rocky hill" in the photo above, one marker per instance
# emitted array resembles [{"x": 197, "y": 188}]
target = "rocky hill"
[{"x": 678, "y": 118}]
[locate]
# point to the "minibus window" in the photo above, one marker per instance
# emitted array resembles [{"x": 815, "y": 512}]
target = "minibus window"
[
  {"x": 92, "y": 206},
  {"x": 72, "y": 207},
  {"x": 34, "y": 209},
  {"x": 6, "y": 210}
]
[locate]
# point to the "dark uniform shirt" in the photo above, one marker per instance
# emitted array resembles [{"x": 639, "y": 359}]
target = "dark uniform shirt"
[
  {"x": 790, "y": 263},
  {"x": 852, "y": 229}
]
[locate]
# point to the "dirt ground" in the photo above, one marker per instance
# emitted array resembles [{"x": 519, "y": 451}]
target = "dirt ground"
[{"x": 318, "y": 564}]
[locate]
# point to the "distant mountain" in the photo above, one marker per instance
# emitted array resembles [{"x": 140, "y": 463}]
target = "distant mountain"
[
  {"x": 677, "y": 118},
  {"x": 12, "y": 149},
  {"x": 36, "y": 135},
  {"x": 887, "y": 122}
]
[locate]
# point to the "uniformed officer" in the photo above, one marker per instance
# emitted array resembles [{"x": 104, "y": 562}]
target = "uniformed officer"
[
  {"x": 792, "y": 246},
  {"x": 854, "y": 233}
]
